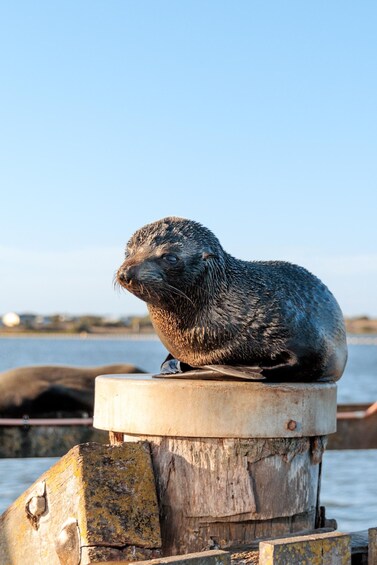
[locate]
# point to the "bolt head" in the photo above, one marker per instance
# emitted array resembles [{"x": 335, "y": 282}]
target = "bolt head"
[
  {"x": 292, "y": 425},
  {"x": 37, "y": 505}
]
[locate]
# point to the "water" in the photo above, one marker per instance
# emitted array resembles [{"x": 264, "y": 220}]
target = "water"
[
  {"x": 349, "y": 485},
  {"x": 147, "y": 353}
]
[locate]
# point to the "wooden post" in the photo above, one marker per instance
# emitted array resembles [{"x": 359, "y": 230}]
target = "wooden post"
[
  {"x": 372, "y": 546},
  {"x": 233, "y": 461}
]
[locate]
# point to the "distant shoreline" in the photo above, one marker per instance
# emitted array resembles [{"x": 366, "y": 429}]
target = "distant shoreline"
[
  {"x": 360, "y": 326},
  {"x": 82, "y": 335},
  {"x": 352, "y": 336},
  {"x": 141, "y": 328}
]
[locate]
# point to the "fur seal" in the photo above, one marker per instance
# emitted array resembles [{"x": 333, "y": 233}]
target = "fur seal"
[
  {"x": 52, "y": 391},
  {"x": 210, "y": 309}
]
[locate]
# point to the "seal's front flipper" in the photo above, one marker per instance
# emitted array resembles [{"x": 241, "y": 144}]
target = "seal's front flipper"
[{"x": 171, "y": 367}]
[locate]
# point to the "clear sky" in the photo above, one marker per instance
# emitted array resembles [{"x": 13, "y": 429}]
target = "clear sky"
[{"x": 256, "y": 118}]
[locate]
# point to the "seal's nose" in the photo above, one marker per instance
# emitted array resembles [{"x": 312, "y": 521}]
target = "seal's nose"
[{"x": 127, "y": 274}]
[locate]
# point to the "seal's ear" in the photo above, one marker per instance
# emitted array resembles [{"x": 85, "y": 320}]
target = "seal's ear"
[{"x": 208, "y": 254}]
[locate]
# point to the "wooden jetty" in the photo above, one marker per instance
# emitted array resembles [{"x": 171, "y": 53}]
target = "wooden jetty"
[{"x": 197, "y": 472}]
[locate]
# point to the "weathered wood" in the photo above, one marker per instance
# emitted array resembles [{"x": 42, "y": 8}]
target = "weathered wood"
[
  {"x": 213, "y": 557},
  {"x": 233, "y": 461},
  {"x": 96, "y": 504},
  {"x": 359, "y": 547},
  {"x": 45, "y": 441},
  {"x": 246, "y": 557},
  {"x": 322, "y": 549},
  {"x": 136, "y": 404},
  {"x": 116, "y": 438},
  {"x": 372, "y": 546},
  {"x": 220, "y": 493},
  {"x": 356, "y": 427},
  {"x": 249, "y": 555}
]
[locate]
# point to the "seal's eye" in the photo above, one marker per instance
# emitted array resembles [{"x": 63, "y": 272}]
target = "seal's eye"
[{"x": 170, "y": 258}]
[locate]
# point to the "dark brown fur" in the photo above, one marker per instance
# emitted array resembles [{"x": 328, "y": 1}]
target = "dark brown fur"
[{"x": 210, "y": 308}]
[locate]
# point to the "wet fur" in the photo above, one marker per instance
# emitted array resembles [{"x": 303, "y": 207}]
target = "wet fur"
[{"x": 211, "y": 308}]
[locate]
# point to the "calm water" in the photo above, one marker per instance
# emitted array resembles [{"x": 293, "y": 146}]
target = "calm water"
[{"x": 349, "y": 483}]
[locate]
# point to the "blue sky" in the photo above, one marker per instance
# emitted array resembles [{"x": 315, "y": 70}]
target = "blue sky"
[{"x": 257, "y": 119}]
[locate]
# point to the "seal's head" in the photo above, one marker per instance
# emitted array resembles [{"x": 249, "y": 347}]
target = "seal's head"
[{"x": 167, "y": 261}]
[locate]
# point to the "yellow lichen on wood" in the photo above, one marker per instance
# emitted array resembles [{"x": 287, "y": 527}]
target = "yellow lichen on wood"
[
  {"x": 332, "y": 548},
  {"x": 119, "y": 488},
  {"x": 103, "y": 494}
]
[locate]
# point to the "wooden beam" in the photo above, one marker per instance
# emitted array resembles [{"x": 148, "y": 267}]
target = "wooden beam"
[
  {"x": 97, "y": 503},
  {"x": 212, "y": 557},
  {"x": 319, "y": 549}
]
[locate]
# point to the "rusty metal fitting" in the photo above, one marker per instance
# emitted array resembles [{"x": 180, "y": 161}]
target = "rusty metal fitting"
[{"x": 291, "y": 425}]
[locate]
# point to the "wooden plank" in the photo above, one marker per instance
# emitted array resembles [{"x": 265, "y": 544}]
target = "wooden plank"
[
  {"x": 321, "y": 549},
  {"x": 212, "y": 557},
  {"x": 96, "y": 504}
]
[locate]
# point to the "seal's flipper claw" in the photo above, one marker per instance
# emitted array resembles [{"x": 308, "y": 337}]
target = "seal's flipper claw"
[{"x": 170, "y": 366}]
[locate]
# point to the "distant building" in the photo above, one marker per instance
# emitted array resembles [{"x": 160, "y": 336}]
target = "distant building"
[
  {"x": 28, "y": 320},
  {"x": 11, "y": 320}
]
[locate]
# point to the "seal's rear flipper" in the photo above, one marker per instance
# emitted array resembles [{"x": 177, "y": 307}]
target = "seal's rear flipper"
[{"x": 238, "y": 371}]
